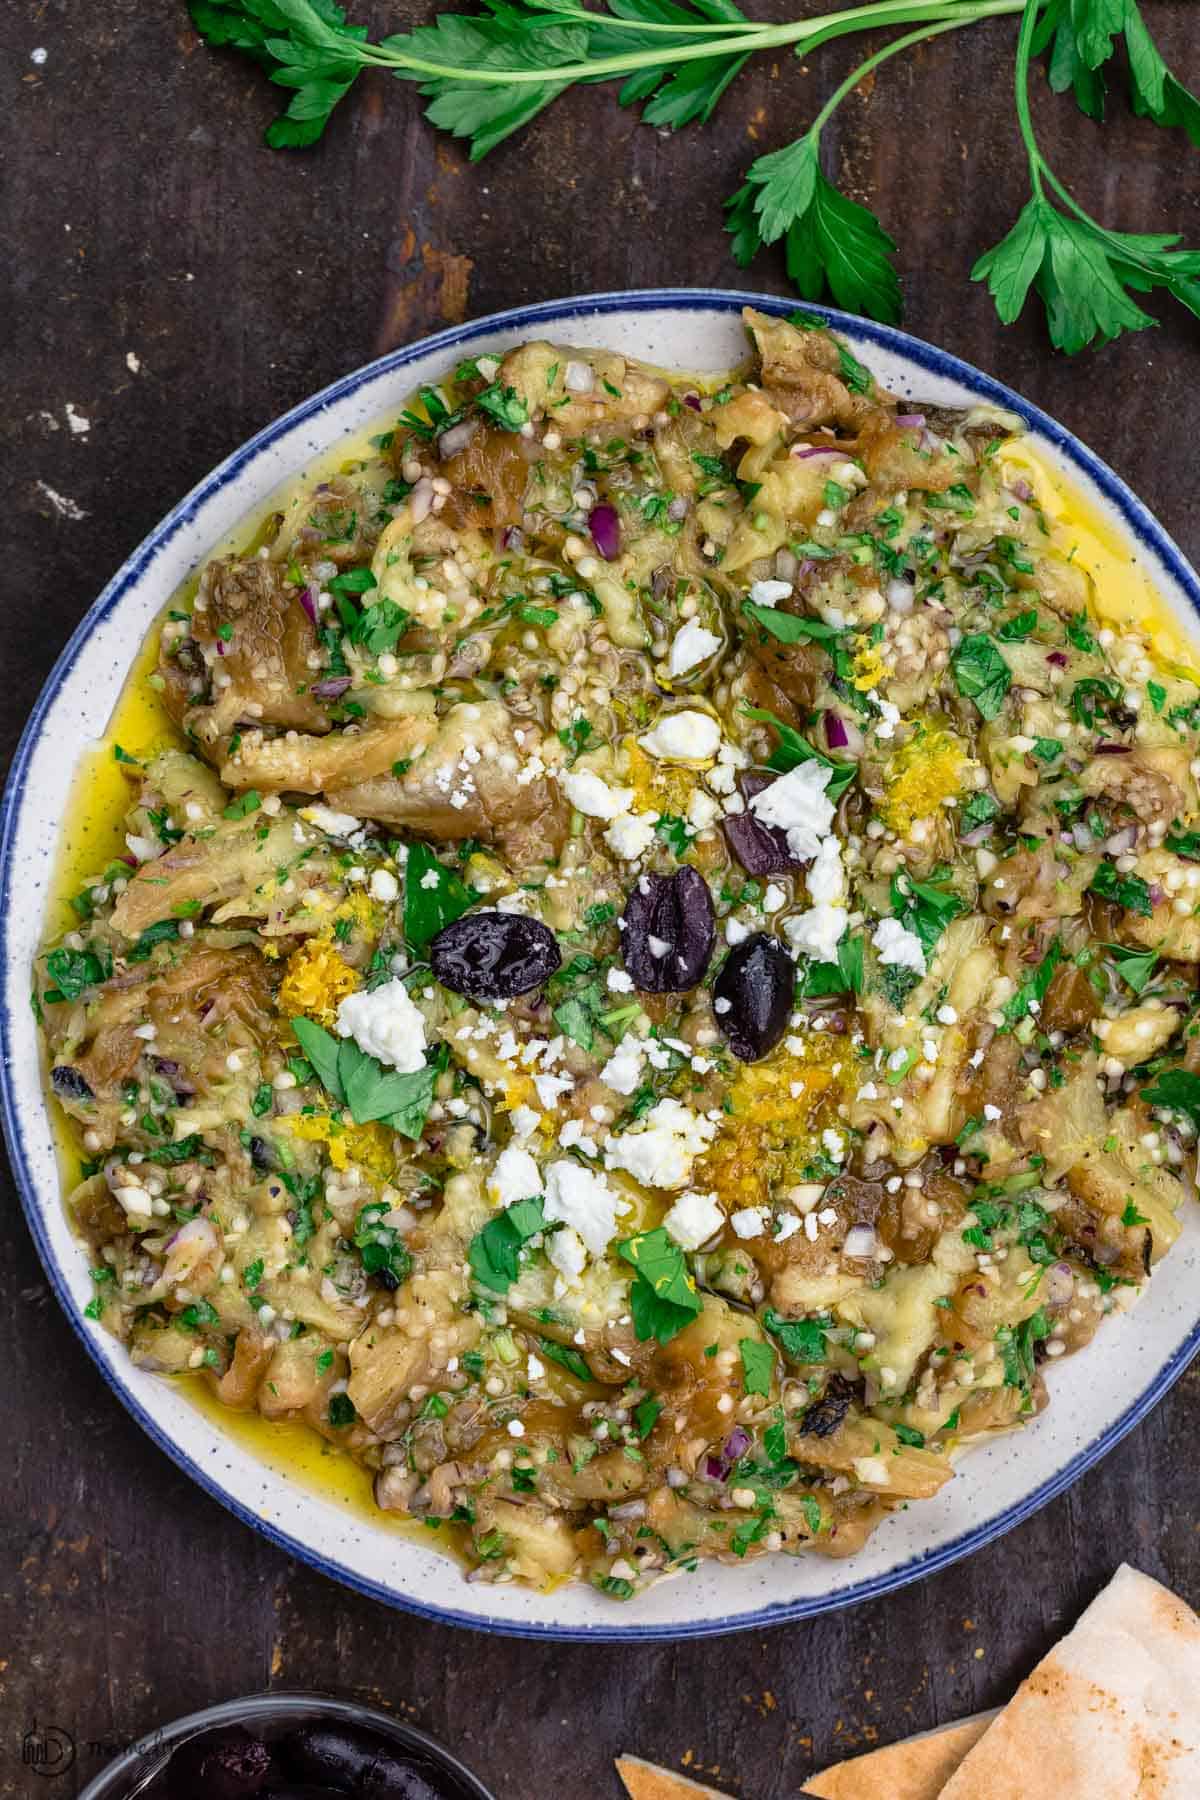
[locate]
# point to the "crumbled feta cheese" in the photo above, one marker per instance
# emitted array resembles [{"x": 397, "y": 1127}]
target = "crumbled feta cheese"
[
  {"x": 693, "y": 1219},
  {"x": 889, "y": 718},
  {"x": 786, "y": 1226},
  {"x": 702, "y": 811},
  {"x": 769, "y": 593},
  {"x": 623, "y": 1070},
  {"x": 735, "y": 931},
  {"x": 385, "y": 1023},
  {"x": 334, "y": 824},
  {"x": 515, "y": 1177},
  {"x": 750, "y": 1221},
  {"x": 898, "y": 946},
  {"x": 550, "y": 1089},
  {"x": 817, "y": 932},
  {"x": 992, "y": 1113},
  {"x": 686, "y": 736},
  {"x": 619, "y": 981},
  {"x": 797, "y": 804},
  {"x": 572, "y": 1136},
  {"x": 589, "y": 794},
  {"x": 872, "y": 1471},
  {"x": 773, "y": 897},
  {"x": 661, "y": 1153},
  {"x": 583, "y": 1200},
  {"x": 692, "y": 645},
  {"x": 565, "y": 1252},
  {"x": 826, "y": 879},
  {"x": 525, "y": 1121},
  {"x": 384, "y": 886},
  {"x": 631, "y": 834}
]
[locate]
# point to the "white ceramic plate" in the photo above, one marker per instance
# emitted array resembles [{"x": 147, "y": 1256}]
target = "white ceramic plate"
[{"x": 1097, "y": 1396}]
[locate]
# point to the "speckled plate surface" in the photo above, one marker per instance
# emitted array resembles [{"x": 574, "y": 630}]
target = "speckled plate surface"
[{"x": 1097, "y": 1396}]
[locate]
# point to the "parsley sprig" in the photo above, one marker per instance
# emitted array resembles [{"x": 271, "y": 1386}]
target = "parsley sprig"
[{"x": 485, "y": 75}]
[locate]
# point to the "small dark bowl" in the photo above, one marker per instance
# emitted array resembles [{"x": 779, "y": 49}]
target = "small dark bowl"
[{"x": 271, "y": 1716}]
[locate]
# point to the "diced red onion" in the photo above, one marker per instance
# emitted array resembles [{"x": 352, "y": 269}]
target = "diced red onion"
[
  {"x": 1122, "y": 841},
  {"x": 513, "y": 538},
  {"x": 836, "y": 735},
  {"x": 1082, "y": 838},
  {"x": 1058, "y": 658},
  {"x": 973, "y": 839},
  {"x": 692, "y": 400},
  {"x": 717, "y": 1468},
  {"x": 917, "y": 419},
  {"x": 678, "y": 509},
  {"x": 1157, "y": 894},
  {"x": 803, "y": 451},
  {"x": 605, "y": 528},
  {"x": 1113, "y": 749},
  {"x": 578, "y": 378},
  {"x": 1021, "y": 488},
  {"x": 332, "y": 688},
  {"x": 308, "y": 600},
  {"x": 860, "y": 1241},
  {"x": 1059, "y": 1284}
]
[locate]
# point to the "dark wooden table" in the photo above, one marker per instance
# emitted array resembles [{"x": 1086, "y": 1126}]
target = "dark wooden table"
[{"x": 174, "y": 285}]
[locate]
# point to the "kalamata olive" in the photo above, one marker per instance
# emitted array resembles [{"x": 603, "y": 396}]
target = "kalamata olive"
[
  {"x": 754, "y": 994},
  {"x": 69, "y": 1084},
  {"x": 228, "y": 1766},
  {"x": 761, "y": 849},
  {"x": 494, "y": 955},
  {"x": 668, "y": 931},
  {"x": 350, "y": 1762}
]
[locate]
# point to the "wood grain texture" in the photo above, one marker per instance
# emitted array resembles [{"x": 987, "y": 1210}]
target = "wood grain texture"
[{"x": 177, "y": 286}]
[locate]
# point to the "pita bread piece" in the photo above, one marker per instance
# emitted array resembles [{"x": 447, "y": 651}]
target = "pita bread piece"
[
  {"x": 916, "y": 1769},
  {"x": 646, "y": 1781},
  {"x": 1110, "y": 1713}
]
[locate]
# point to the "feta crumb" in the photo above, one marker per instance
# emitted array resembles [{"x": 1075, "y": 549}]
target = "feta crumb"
[
  {"x": 334, "y": 824},
  {"x": 750, "y": 1221},
  {"x": 786, "y": 1226},
  {"x": 898, "y": 946},
  {"x": 703, "y": 810},
  {"x": 686, "y": 736},
  {"x": 525, "y": 1121},
  {"x": 385, "y": 1023},
  {"x": 515, "y": 1177},
  {"x": 584, "y": 1200},
  {"x": 384, "y": 887},
  {"x": 631, "y": 834},
  {"x": 769, "y": 593},
  {"x": 619, "y": 981},
  {"x": 565, "y": 1252},
  {"x": 692, "y": 645},
  {"x": 550, "y": 1089},
  {"x": 623, "y": 1070},
  {"x": 817, "y": 932},
  {"x": 798, "y": 805},
  {"x": 661, "y": 1153},
  {"x": 593, "y": 796},
  {"x": 694, "y": 1219}
]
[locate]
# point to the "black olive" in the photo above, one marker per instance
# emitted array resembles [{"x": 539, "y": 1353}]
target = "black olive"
[
  {"x": 668, "y": 931},
  {"x": 229, "y": 1766},
  {"x": 761, "y": 849},
  {"x": 758, "y": 985},
  {"x": 69, "y": 1084},
  {"x": 494, "y": 955},
  {"x": 350, "y": 1762},
  {"x": 824, "y": 1416}
]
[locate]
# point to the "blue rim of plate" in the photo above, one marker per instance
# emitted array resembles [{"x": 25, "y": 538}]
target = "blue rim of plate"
[{"x": 1136, "y": 517}]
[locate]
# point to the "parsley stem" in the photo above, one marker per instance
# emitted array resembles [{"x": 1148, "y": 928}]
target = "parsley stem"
[
  {"x": 805, "y": 34},
  {"x": 881, "y": 56},
  {"x": 1021, "y": 93}
]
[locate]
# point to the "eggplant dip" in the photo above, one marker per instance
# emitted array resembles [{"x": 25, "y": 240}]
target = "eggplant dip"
[{"x": 650, "y": 995}]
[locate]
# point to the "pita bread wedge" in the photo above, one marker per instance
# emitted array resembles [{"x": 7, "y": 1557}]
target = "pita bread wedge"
[
  {"x": 1111, "y": 1713},
  {"x": 916, "y": 1769},
  {"x": 646, "y": 1781}
]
